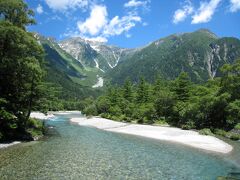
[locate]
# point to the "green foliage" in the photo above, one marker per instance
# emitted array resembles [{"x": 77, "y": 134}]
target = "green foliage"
[
  {"x": 16, "y": 12},
  {"x": 145, "y": 113},
  {"x": 233, "y": 136},
  {"x": 233, "y": 113},
  {"x": 103, "y": 104},
  {"x": 182, "y": 87},
  {"x": 115, "y": 110},
  {"x": 35, "y": 127},
  {"x": 7, "y": 121},
  {"x": 64, "y": 78},
  {"x": 161, "y": 122},
  {"x": 186, "y": 52},
  {"x": 164, "y": 103},
  {"x": 220, "y": 132},
  {"x": 21, "y": 70},
  {"x": 206, "y": 132},
  {"x": 210, "y": 106},
  {"x": 237, "y": 126},
  {"x": 142, "y": 91},
  {"x": 127, "y": 90},
  {"x": 90, "y": 110}
]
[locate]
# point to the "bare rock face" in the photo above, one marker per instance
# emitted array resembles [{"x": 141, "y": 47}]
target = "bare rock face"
[
  {"x": 94, "y": 53},
  {"x": 201, "y": 54}
]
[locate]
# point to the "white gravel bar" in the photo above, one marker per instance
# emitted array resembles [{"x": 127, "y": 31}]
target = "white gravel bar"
[
  {"x": 6, "y": 145},
  {"x": 39, "y": 115},
  {"x": 186, "y": 137}
]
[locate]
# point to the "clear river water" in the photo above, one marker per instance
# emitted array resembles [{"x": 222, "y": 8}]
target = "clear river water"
[{"x": 70, "y": 151}]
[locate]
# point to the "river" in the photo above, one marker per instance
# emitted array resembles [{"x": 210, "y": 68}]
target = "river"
[{"x": 70, "y": 151}]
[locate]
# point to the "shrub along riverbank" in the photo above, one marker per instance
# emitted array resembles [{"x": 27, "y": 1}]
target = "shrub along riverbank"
[
  {"x": 213, "y": 107},
  {"x": 33, "y": 130}
]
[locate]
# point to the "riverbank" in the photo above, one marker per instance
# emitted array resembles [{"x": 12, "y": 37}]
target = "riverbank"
[
  {"x": 41, "y": 116},
  {"x": 186, "y": 137},
  {"x": 35, "y": 130},
  {"x": 6, "y": 145},
  {"x": 50, "y": 114}
]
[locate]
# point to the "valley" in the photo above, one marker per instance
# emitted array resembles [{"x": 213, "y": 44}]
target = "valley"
[
  {"x": 133, "y": 89},
  {"x": 201, "y": 54}
]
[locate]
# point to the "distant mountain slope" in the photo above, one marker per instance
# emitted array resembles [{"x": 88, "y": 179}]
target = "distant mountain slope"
[
  {"x": 95, "y": 54},
  {"x": 224, "y": 50},
  {"x": 64, "y": 71},
  {"x": 200, "y": 53}
]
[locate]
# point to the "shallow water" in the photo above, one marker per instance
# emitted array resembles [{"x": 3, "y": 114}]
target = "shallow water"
[{"x": 73, "y": 152}]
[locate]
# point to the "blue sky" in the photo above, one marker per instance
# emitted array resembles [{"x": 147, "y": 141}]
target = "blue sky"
[{"x": 133, "y": 23}]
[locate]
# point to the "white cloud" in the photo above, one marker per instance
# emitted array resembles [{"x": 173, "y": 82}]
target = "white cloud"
[
  {"x": 181, "y": 14},
  {"x": 62, "y": 5},
  {"x": 99, "y": 27},
  {"x": 95, "y": 23},
  {"x": 135, "y": 3},
  {"x": 128, "y": 35},
  {"x": 133, "y": 6},
  {"x": 75, "y": 33},
  {"x": 205, "y": 12},
  {"x": 98, "y": 38},
  {"x": 234, "y": 5},
  {"x": 39, "y": 9},
  {"x": 145, "y": 24},
  {"x": 119, "y": 25}
]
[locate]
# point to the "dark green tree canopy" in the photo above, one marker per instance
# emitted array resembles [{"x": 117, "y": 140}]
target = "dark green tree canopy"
[
  {"x": 21, "y": 69},
  {"x": 182, "y": 86},
  {"x": 127, "y": 90},
  {"x": 16, "y": 12}
]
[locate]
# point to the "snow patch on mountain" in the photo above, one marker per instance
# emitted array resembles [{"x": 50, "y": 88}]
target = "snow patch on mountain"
[
  {"x": 117, "y": 57},
  {"x": 110, "y": 65},
  {"x": 99, "y": 82},
  {"x": 97, "y": 66},
  {"x": 95, "y": 47}
]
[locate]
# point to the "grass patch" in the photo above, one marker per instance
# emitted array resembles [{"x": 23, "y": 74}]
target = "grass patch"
[
  {"x": 206, "y": 132},
  {"x": 161, "y": 122},
  {"x": 233, "y": 136},
  {"x": 237, "y": 126},
  {"x": 36, "y": 127},
  {"x": 220, "y": 132}
]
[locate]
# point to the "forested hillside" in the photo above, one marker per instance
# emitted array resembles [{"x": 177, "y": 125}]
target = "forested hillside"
[
  {"x": 200, "y": 54},
  {"x": 213, "y": 107},
  {"x": 64, "y": 73}
]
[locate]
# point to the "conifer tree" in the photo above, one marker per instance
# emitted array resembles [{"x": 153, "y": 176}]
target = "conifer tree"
[
  {"x": 142, "y": 91},
  {"x": 127, "y": 90},
  {"x": 182, "y": 87}
]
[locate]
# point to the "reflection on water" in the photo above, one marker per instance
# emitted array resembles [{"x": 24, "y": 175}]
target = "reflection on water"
[{"x": 73, "y": 152}]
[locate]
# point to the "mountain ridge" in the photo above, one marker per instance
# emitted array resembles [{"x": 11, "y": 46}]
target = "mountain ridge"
[
  {"x": 200, "y": 53},
  {"x": 194, "y": 53}
]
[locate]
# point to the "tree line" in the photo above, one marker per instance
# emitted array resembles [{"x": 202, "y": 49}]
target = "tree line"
[{"x": 213, "y": 106}]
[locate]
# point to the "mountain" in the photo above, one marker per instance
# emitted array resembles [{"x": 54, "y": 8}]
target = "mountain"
[
  {"x": 64, "y": 71},
  {"x": 95, "y": 54},
  {"x": 91, "y": 63},
  {"x": 200, "y": 53}
]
